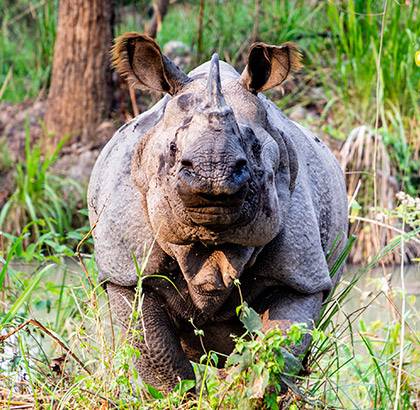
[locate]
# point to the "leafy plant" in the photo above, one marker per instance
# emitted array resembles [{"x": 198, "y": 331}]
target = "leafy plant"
[
  {"x": 45, "y": 201},
  {"x": 258, "y": 369}
]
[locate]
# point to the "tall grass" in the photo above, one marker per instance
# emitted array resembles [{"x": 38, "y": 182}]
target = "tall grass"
[
  {"x": 230, "y": 26},
  {"x": 44, "y": 207},
  {"x": 26, "y": 47},
  {"x": 355, "y": 35}
]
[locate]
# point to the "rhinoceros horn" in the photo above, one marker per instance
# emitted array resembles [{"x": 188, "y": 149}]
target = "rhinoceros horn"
[{"x": 215, "y": 99}]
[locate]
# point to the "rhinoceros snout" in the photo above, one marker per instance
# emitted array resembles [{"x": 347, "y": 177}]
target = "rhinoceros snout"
[{"x": 224, "y": 188}]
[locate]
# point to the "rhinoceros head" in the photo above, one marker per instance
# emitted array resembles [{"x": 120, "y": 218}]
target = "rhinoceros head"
[{"x": 213, "y": 170}]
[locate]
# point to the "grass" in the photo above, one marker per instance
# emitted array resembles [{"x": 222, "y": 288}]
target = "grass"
[
  {"x": 44, "y": 209},
  {"x": 64, "y": 353},
  {"x": 355, "y": 28},
  {"x": 67, "y": 357},
  {"x": 356, "y": 44},
  {"x": 59, "y": 349},
  {"x": 26, "y": 47}
]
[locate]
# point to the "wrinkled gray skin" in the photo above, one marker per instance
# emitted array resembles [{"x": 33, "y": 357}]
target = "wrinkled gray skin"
[{"x": 215, "y": 187}]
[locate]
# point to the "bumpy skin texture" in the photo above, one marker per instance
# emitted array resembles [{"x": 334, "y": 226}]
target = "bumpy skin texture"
[{"x": 142, "y": 194}]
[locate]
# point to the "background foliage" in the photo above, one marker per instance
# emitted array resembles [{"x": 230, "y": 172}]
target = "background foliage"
[{"x": 360, "y": 70}]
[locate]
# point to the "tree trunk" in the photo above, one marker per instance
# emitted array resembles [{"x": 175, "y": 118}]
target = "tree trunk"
[{"x": 80, "y": 94}]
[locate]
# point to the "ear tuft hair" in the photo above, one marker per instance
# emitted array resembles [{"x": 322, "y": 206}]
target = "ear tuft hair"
[
  {"x": 122, "y": 56},
  {"x": 137, "y": 58},
  {"x": 295, "y": 57}
]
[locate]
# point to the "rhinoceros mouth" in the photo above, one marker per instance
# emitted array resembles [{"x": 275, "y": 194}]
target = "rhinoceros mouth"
[
  {"x": 214, "y": 202},
  {"x": 214, "y": 216},
  {"x": 215, "y": 210},
  {"x": 208, "y": 211},
  {"x": 219, "y": 213},
  {"x": 220, "y": 216}
]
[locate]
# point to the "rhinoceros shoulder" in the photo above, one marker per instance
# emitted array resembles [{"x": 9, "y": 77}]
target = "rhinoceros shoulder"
[
  {"x": 119, "y": 226},
  {"x": 113, "y": 163}
]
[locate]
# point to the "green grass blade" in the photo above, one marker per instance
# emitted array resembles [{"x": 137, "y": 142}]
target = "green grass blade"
[{"x": 10, "y": 315}]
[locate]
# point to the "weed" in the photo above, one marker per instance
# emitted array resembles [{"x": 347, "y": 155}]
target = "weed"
[{"x": 42, "y": 202}]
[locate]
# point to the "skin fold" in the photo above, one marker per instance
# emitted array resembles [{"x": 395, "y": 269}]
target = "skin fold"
[{"x": 212, "y": 184}]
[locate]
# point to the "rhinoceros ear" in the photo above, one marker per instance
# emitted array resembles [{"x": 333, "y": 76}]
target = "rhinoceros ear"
[
  {"x": 138, "y": 59},
  {"x": 269, "y": 66}
]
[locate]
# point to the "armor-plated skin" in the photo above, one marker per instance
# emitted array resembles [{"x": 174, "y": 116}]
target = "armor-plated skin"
[{"x": 212, "y": 184}]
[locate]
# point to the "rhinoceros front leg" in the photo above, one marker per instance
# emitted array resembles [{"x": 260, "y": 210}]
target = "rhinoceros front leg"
[
  {"x": 162, "y": 361},
  {"x": 287, "y": 307}
]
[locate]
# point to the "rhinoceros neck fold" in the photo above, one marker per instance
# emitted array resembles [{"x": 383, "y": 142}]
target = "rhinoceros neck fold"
[{"x": 210, "y": 271}]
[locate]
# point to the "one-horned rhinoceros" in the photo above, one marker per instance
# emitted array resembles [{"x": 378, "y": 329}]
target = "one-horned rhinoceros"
[{"x": 211, "y": 186}]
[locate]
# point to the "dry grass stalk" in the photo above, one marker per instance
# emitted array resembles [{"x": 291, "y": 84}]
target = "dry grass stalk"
[
  {"x": 48, "y": 332},
  {"x": 356, "y": 158},
  {"x": 414, "y": 138},
  {"x": 13, "y": 400},
  {"x": 200, "y": 31}
]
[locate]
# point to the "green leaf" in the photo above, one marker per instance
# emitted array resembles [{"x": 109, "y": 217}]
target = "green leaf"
[
  {"x": 25, "y": 295},
  {"x": 292, "y": 364},
  {"x": 233, "y": 359},
  {"x": 13, "y": 250},
  {"x": 246, "y": 360},
  {"x": 250, "y": 318},
  {"x": 214, "y": 358},
  {"x": 184, "y": 386},
  {"x": 84, "y": 212},
  {"x": 295, "y": 332},
  {"x": 156, "y": 394}
]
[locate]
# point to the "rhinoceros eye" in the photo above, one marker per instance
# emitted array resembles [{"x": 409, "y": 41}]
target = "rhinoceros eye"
[{"x": 172, "y": 148}]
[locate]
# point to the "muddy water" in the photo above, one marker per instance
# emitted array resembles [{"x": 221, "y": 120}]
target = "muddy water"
[{"x": 380, "y": 292}]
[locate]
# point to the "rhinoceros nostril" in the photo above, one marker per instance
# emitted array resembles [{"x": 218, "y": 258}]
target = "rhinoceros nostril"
[
  {"x": 186, "y": 163},
  {"x": 240, "y": 172},
  {"x": 241, "y": 163}
]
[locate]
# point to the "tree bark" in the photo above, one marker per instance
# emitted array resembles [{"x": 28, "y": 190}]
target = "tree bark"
[{"x": 80, "y": 95}]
